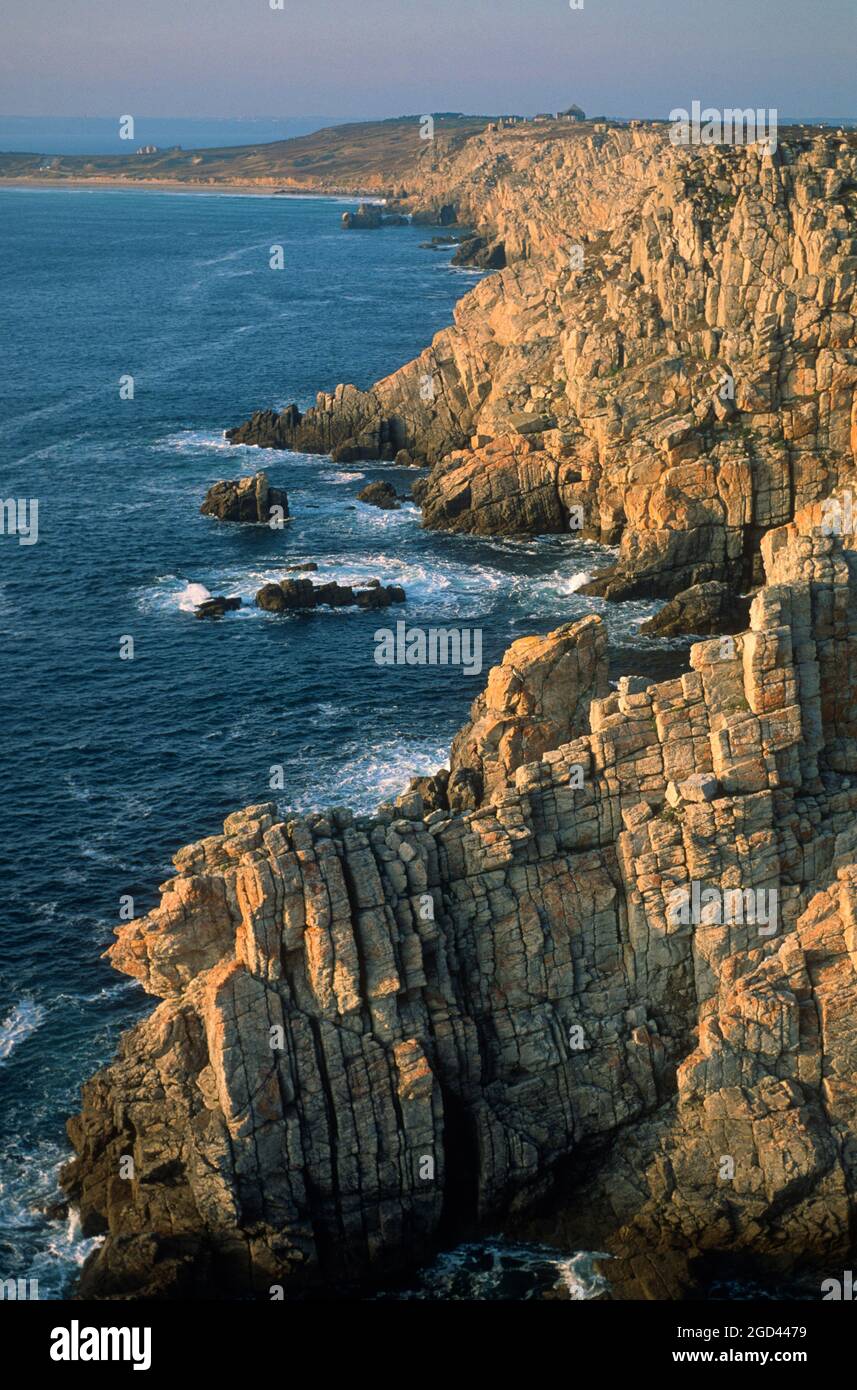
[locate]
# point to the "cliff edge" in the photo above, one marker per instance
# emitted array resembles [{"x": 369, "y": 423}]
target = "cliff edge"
[{"x": 628, "y": 977}]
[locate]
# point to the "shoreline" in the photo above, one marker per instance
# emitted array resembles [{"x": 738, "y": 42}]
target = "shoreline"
[{"x": 179, "y": 186}]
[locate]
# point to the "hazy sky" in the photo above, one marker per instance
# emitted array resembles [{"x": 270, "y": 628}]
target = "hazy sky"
[{"x": 353, "y": 58}]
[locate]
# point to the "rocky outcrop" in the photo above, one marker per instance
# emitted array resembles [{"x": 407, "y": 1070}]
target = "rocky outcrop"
[
  {"x": 370, "y": 216},
  {"x": 537, "y": 699},
  {"x": 246, "y": 499},
  {"x": 216, "y": 607},
  {"x": 479, "y": 253},
  {"x": 299, "y": 594},
  {"x": 508, "y": 487},
  {"x": 700, "y": 611},
  {"x": 686, "y": 316},
  {"x": 628, "y": 980},
  {"x": 380, "y": 494}
]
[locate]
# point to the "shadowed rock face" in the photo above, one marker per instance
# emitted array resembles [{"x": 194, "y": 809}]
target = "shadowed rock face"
[
  {"x": 682, "y": 320},
  {"x": 374, "y": 1030},
  {"x": 701, "y": 610}
]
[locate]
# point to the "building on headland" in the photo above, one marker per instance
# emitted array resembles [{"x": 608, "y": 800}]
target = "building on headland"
[{"x": 147, "y": 149}]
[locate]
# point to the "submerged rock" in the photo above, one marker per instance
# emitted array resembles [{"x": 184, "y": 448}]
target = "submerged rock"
[{"x": 246, "y": 499}]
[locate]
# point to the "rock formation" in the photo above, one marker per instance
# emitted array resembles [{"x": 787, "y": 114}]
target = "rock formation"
[
  {"x": 508, "y": 487},
  {"x": 246, "y": 499},
  {"x": 370, "y": 216},
  {"x": 537, "y": 699},
  {"x": 701, "y": 610},
  {"x": 380, "y": 494},
  {"x": 216, "y": 607},
  {"x": 298, "y": 594},
  {"x": 481, "y": 253},
  {"x": 629, "y": 979},
  {"x": 685, "y": 316}
]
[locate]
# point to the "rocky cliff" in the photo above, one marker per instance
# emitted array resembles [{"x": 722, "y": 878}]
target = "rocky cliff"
[
  {"x": 626, "y": 981},
  {"x": 674, "y": 334}
]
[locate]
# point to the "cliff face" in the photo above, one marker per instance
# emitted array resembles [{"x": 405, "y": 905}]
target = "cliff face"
[
  {"x": 675, "y": 330},
  {"x": 375, "y": 1031}
]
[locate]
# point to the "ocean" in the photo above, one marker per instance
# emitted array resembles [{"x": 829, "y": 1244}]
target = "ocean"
[
  {"x": 111, "y": 765},
  {"x": 100, "y": 134}
]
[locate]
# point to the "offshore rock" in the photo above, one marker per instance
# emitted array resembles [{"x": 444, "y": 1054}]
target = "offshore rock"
[
  {"x": 300, "y": 594},
  {"x": 216, "y": 607},
  {"x": 370, "y": 216},
  {"x": 245, "y": 499},
  {"x": 380, "y": 494}
]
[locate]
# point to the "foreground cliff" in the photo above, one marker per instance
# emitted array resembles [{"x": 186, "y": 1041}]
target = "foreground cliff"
[
  {"x": 674, "y": 336},
  {"x": 376, "y": 1033}
]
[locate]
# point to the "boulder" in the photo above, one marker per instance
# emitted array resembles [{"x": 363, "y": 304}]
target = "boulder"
[{"x": 380, "y": 494}]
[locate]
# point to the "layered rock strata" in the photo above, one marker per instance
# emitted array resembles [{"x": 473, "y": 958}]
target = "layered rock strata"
[{"x": 635, "y": 986}]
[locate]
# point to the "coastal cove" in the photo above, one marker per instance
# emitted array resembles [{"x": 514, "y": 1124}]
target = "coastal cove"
[{"x": 127, "y": 761}]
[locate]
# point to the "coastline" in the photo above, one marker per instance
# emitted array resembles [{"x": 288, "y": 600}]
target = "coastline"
[
  {"x": 181, "y": 186},
  {"x": 387, "y": 1012}
]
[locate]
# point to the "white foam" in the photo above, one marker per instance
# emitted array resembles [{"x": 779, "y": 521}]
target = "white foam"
[
  {"x": 191, "y": 597},
  {"x": 24, "y": 1019}
]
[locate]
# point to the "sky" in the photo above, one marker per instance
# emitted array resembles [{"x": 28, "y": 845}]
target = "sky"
[{"x": 353, "y": 59}]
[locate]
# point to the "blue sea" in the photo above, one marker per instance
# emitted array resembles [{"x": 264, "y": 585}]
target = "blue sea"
[
  {"x": 100, "y": 134},
  {"x": 111, "y": 765}
]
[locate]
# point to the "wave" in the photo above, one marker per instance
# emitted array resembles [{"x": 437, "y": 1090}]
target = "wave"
[
  {"x": 191, "y": 597},
  {"x": 494, "y": 1271},
  {"x": 361, "y": 777},
  {"x": 24, "y": 1019}
]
